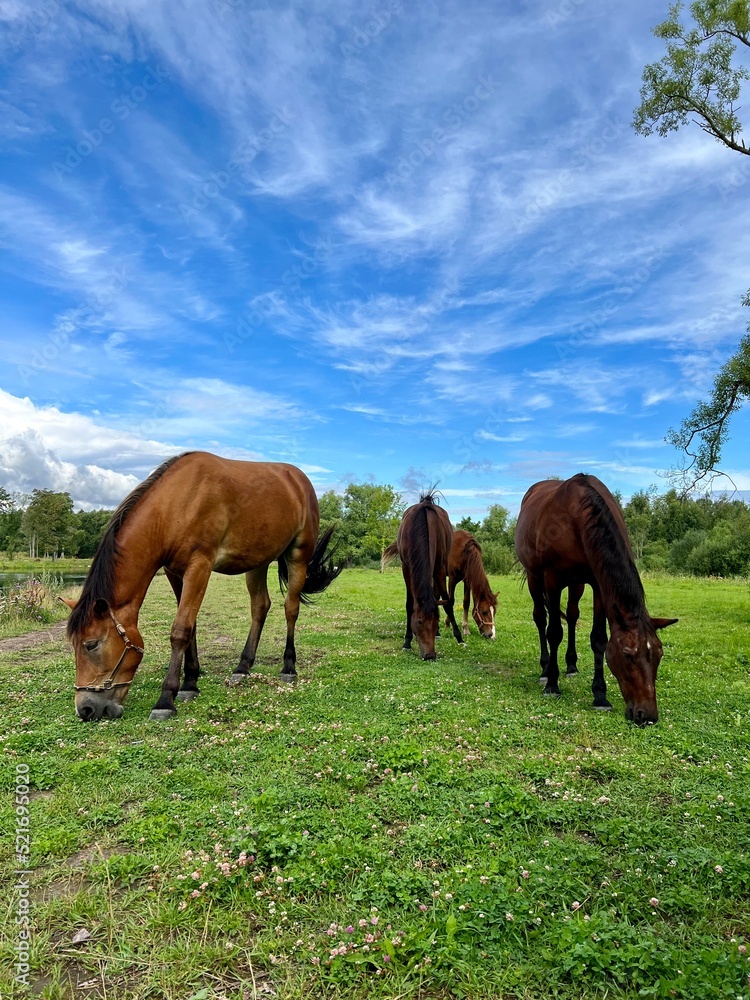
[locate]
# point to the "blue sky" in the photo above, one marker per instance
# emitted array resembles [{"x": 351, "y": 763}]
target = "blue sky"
[{"x": 416, "y": 242}]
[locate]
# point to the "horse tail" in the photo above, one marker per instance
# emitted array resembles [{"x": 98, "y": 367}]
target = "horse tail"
[
  {"x": 321, "y": 570},
  {"x": 388, "y": 556}
]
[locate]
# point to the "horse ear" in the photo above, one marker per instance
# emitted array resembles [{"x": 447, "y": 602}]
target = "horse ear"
[
  {"x": 664, "y": 622},
  {"x": 66, "y": 600},
  {"x": 101, "y": 608}
]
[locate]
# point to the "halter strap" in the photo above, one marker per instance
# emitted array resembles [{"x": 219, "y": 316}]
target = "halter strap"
[{"x": 110, "y": 682}]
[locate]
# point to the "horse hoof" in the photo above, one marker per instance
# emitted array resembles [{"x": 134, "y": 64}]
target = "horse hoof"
[
  {"x": 162, "y": 714},
  {"x": 186, "y": 695},
  {"x": 571, "y": 670},
  {"x": 288, "y": 678},
  {"x": 237, "y": 679},
  {"x": 603, "y": 708},
  {"x": 549, "y": 693},
  {"x": 542, "y": 680}
]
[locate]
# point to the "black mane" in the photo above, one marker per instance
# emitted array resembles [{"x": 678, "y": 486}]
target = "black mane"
[
  {"x": 100, "y": 582},
  {"x": 613, "y": 561},
  {"x": 420, "y": 570}
]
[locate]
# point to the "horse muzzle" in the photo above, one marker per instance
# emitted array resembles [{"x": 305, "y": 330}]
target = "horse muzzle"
[
  {"x": 91, "y": 707},
  {"x": 642, "y": 715}
]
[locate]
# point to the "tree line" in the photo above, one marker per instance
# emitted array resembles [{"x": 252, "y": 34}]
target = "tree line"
[{"x": 707, "y": 536}]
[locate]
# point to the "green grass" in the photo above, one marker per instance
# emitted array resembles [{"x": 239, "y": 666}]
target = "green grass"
[{"x": 387, "y": 827}]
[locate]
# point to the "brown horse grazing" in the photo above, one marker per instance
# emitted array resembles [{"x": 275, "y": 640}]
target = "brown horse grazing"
[
  {"x": 465, "y": 563},
  {"x": 195, "y": 514},
  {"x": 424, "y": 542},
  {"x": 572, "y": 533}
]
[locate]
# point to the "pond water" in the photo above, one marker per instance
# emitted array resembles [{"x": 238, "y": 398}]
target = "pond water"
[{"x": 16, "y": 579}]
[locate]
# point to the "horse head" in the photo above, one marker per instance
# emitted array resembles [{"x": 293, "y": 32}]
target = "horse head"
[
  {"x": 107, "y": 657},
  {"x": 483, "y": 614},
  {"x": 633, "y": 654}
]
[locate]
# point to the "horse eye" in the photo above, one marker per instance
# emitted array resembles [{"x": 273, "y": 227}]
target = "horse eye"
[{"x": 91, "y": 645}]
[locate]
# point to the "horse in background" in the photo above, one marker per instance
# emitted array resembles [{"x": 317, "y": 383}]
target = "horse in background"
[
  {"x": 424, "y": 541},
  {"x": 570, "y": 534},
  {"x": 465, "y": 563},
  {"x": 194, "y": 515}
]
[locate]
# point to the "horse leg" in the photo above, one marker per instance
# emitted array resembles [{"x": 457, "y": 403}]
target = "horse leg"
[
  {"x": 448, "y": 600},
  {"x": 598, "y": 645},
  {"x": 297, "y": 575},
  {"x": 572, "y": 614},
  {"x": 554, "y": 638},
  {"x": 536, "y": 589},
  {"x": 189, "y": 689},
  {"x": 467, "y": 599},
  {"x": 260, "y": 604},
  {"x": 409, "y": 609},
  {"x": 194, "y": 584}
]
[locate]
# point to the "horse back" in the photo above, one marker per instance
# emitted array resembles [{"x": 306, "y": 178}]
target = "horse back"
[
  {"x": 551, "y": 521},
  {"x": 239, "y": 514}
]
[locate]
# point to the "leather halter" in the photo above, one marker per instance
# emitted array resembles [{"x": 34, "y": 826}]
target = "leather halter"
[
  {"x": 110, "y": 684},
  {"x": 480, "y": 621}
]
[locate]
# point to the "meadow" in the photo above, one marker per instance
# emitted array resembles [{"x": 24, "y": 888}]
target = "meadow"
[{"x": 387, "y": 827}]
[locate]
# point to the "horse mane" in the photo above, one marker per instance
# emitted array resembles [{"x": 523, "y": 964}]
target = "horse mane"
[
  {"x": 100, "y": 581},
  {"x": 603, "y": 536},
  {"x": 420, "y": 570},
  {"x": 475, "y": 577}
]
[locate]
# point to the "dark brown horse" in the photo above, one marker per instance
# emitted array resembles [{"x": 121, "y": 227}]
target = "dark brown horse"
[
  {"x": 197, "y": 513},
  {"x": 424, "y": 543},
  {"x": 570, "y": 534},
  {"x": 465, "y": 563}
]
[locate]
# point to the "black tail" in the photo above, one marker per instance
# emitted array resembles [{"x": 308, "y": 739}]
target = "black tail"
[{"x": 321, "y": 571}]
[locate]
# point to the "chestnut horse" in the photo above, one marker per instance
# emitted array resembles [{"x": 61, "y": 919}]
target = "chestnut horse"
[
  {"x": 424, "y": 542},
  {"x": 570, "y": 534},
  {"x": 465, "y": 563},
  {"x": 195, "y": 514}
]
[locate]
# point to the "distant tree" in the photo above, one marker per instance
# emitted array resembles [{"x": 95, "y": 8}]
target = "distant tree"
[
  {"x": 494, "y": 527},
  {"x": 702, "y": 435},
  {"x": 6, "y": 501},
  {"x": 88, "y": 528},
  {"x": 466, "y": 524},
  {"x": 47, "y": 522},
  {"x": 698, "y": 78},
  {"x": 639, "y": 519},
  {"x": 371, "y": 515}
]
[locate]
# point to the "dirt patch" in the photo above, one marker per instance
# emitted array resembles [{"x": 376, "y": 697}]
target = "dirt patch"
[
  {"x": 94, "y": 853},
  {"x": 17, "y": 643}
]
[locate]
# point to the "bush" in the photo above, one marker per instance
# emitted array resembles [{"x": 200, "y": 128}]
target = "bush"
[
  {"x": 680, "y": 550},
  {"x": 498, "y": 558},
  {"x": 722, "y": 553},
  {"x": 655, "y": 556}
]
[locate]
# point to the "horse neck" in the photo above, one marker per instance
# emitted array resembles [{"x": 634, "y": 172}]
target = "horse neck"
[
  {"x": 474, "y": 574},
  {"x": 608, "y": 555},
  {"x": 140, "y": 557}
]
